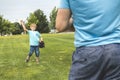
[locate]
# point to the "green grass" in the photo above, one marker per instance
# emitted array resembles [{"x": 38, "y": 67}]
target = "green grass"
[{"x": 55, "y": 58}]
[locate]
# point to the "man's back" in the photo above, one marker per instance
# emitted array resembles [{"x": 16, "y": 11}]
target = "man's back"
[
  {"x": 97, "y": 22},
  {"x": 97, "y": 37}
]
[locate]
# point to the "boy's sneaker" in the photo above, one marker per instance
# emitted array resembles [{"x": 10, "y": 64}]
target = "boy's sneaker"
[
  {"x": 37, "y": 62},
  {"x": 27, "y": 60}
]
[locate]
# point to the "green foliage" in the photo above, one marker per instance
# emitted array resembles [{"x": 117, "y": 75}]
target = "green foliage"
[
  {"x": 1, "y": 24},
  {"x": 17, "y": 29},
  {"x": 53, "y": 15},
  {"x": 40, "y": 19},
  {"x": 32, "y": 19},
  {"x": 6, "y": 27},
  {"x": 55, "y": 58},
  {"x": 37, "y": 17}
]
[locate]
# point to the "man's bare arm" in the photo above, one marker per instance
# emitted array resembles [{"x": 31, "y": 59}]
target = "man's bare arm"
[{"x": 64, "y": 21}]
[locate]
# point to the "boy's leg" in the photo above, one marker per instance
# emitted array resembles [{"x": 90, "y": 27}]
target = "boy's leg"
[
  {"x": 27, "y": 59},
  {"x": 37, "y": 53},
  {"x": 37, "y": 60},
  {"x": 30, "y": 53}
]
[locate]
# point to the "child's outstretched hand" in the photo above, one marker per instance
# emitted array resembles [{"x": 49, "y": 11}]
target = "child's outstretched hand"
[{"x": 21, "y": 22}]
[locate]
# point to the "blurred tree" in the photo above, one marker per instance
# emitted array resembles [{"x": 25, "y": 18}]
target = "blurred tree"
[
  {"x": 17, "y": 28},
  {"x": 39, "y": 18},
  {"x": 1, "y": 21},
  {"x": 6, "y": 27},
  {"x": 53, "y": 15},
  {"x": 42, "y": 21},
  {"x": 32, "y": 19}
]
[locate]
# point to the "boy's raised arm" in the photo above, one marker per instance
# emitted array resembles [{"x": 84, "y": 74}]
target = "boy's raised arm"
[{"x": 22, "y": 23}]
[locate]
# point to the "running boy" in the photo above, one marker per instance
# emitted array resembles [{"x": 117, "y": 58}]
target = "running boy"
[{"x": 34, "y": 38}]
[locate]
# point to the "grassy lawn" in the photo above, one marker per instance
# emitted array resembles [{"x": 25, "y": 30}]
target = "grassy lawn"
[{"x": 55, "y": 58}]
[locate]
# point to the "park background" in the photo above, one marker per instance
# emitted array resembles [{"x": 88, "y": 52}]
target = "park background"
[{"x": 55, "y": 58}]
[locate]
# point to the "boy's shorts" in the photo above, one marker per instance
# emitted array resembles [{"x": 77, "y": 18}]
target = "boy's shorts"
[
  {"x": 96, "y": 63},
  {"x": 36, "y": 49}
]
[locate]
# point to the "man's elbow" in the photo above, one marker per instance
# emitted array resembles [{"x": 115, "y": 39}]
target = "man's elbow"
[{"x": 59, "y": 28}]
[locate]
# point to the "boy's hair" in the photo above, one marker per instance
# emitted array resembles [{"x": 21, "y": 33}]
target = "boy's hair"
[{"x": 33, "y": 25}]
